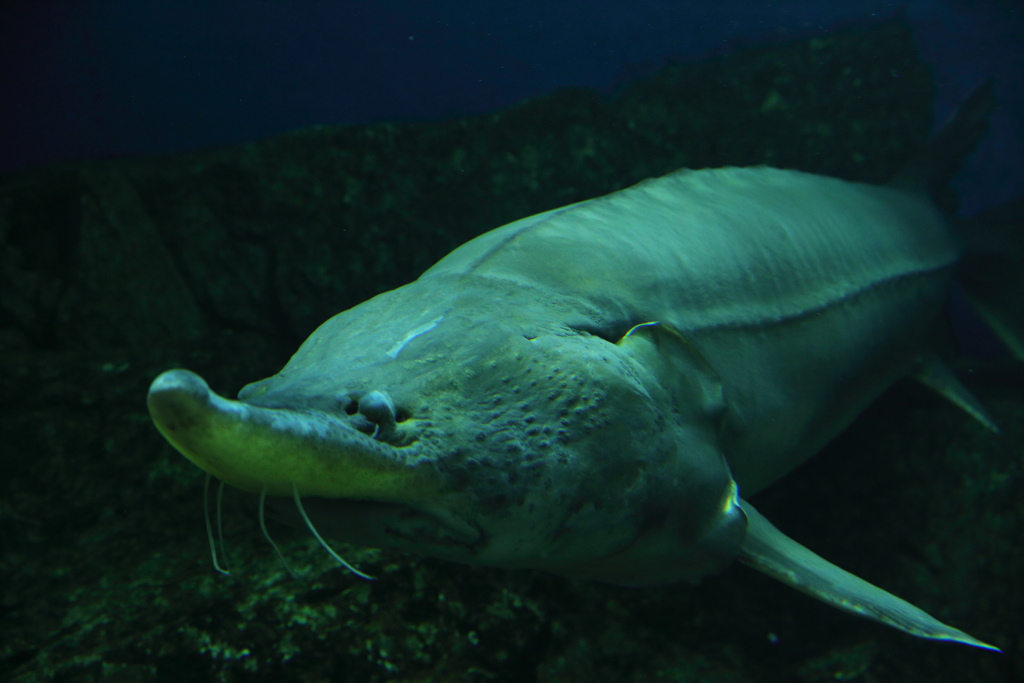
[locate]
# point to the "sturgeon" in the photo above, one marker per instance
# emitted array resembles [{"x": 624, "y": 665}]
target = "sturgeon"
[{"x": 590, "y": 390}]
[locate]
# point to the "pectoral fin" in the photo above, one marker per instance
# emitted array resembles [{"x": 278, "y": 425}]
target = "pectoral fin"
[{"x": 770, "y": 551}]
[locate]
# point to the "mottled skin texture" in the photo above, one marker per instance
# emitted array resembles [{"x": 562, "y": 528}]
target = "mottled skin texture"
[
  {"x": 556, "y": 447},
  {"x": 528, "y": 432}
]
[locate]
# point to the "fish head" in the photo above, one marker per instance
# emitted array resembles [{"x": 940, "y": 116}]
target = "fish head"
[{"x": 483, "y": 422}]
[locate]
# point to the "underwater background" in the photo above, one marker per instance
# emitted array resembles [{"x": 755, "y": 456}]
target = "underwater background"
[{"x": 200, "y": 184}]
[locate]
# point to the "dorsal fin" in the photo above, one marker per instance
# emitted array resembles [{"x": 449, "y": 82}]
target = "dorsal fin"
[{"x": 934, "y": 374}]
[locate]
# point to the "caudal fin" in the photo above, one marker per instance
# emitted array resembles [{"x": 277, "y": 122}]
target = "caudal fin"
[
  {"x": 992, "y": 273},
  {"x": 932, "y": 168}
]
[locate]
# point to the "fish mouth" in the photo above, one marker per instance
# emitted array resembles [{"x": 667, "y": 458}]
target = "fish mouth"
[{"x": 283, "y": 452}]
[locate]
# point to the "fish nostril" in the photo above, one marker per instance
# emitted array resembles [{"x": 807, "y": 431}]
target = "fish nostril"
[
  {"x": 378, "y": 408},
  {"x": 349, "y": 405}
]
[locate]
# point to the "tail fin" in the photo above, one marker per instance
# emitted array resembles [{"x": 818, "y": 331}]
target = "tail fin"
[
  {"x": 992, "y": 272},
  {"x": 992, "y": 269},
  {"x": 932, "y": 168}
]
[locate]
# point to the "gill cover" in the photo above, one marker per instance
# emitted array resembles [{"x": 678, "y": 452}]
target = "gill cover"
[{"x": 710, "y": 524}]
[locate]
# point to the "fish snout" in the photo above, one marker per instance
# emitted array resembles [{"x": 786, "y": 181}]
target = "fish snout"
[{"x": 281, "y": 450}]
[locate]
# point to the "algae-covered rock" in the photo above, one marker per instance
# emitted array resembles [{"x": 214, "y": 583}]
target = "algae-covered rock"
[
  {"x": 268, "y": 240},
  {"x": 222, "y": 261}
]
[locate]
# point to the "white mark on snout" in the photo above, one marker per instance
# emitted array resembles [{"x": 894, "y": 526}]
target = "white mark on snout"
[{"x": 422, "y": 329}]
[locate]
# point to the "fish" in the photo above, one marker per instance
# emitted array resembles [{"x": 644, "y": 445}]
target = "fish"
[{"x": 598, "y": 390}]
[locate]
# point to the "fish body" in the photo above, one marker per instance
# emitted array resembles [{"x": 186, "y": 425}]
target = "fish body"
[
  {"x": 806, "y": 295},
  {"x": 785, "y": 303},
  {"x": 591, "y": 390}
]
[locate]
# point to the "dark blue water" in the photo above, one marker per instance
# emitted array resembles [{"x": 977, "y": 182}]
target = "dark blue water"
[{"x": 125, "y": 77}]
